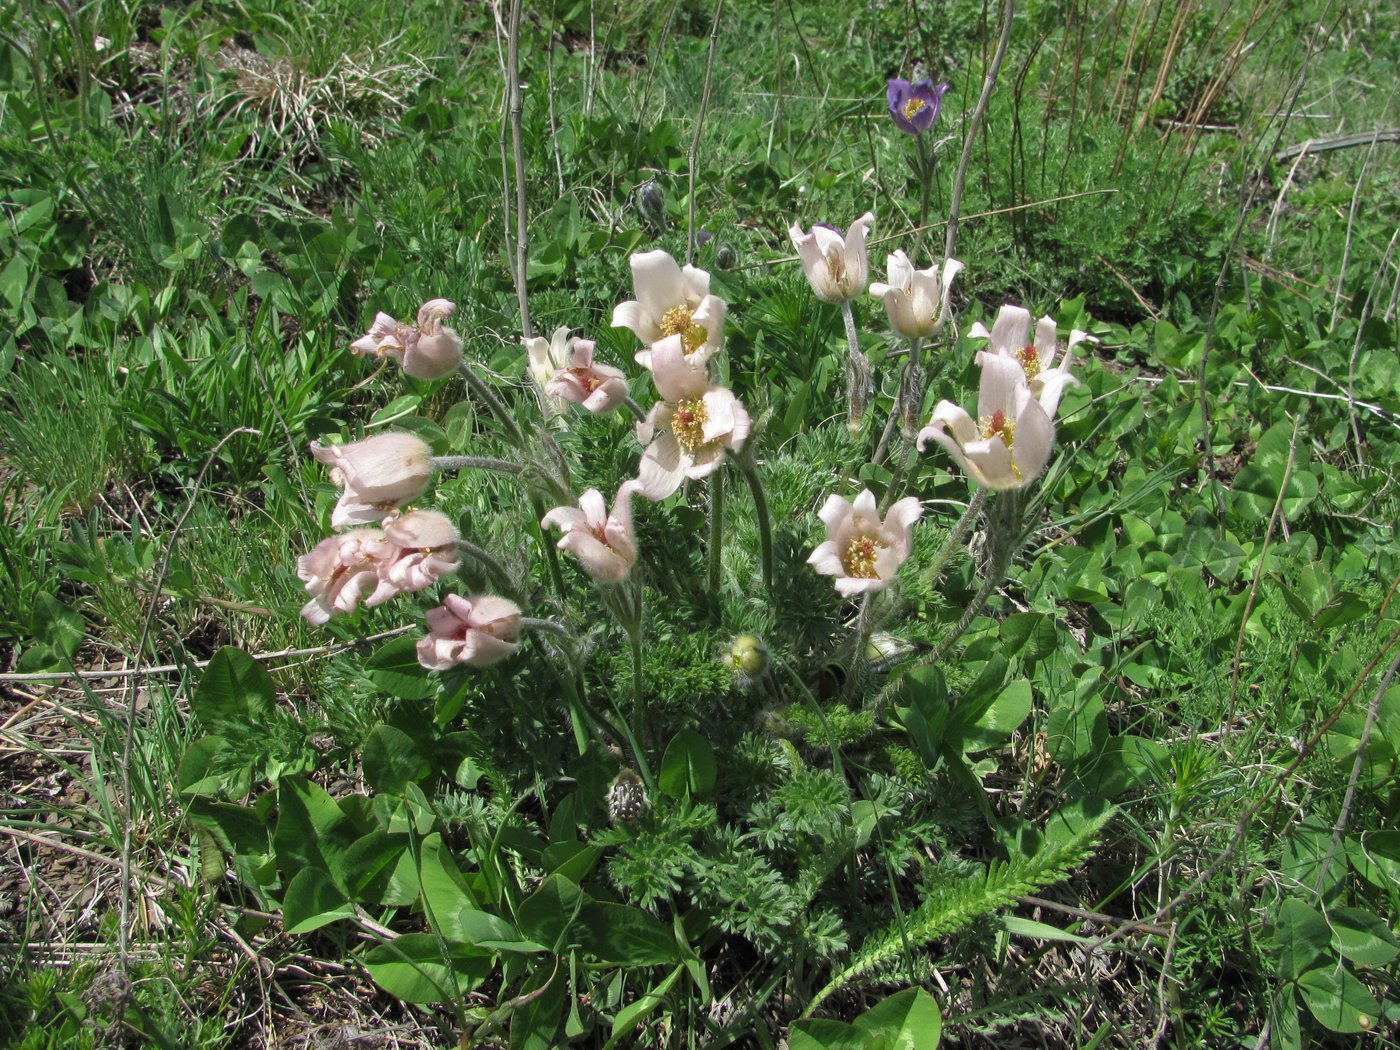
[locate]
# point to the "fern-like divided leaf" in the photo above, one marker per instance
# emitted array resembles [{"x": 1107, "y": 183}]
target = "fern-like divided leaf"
[{"x": 959, "y": 904}]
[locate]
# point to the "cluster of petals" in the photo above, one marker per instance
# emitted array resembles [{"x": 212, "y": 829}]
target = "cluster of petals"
[
  {"x": 1011, "y": 337},
  {"x": 563, "y": 369},
  {"x": 473, "y": 632},
  {"x": 688, "y": 432},
  {"x": 836, "y": 264},
  {"x": 604, "y": 543},
  {"x": 862, "y": 551},
  {"x": 370, "y": 566},
  {"x": 376, "y": 475},
  {"x": 430, "y": 350},
  {"x": 916, "y": 300},
  {"x": 916, "y": 106},
  {"x": 1008, "y": 443},
  {"x": 672, "y": 300}
]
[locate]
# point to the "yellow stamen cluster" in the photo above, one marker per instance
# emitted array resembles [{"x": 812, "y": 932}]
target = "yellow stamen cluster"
[
  {"x": 997, "y": 425},
  {"x": 1030, "y": 361},
  {"x": 912, "y": 107},
  {"x": 688, "y": 423},
  {"x": 858, "y": 559},
  {"x": 679, "y": 321}
]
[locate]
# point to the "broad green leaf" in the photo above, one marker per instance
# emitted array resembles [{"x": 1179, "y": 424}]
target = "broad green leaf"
[
  {"x": 1001, "y": 718},
  {"x": 688, "y": 766},
  {"x": 57, "y": 626},
  {"x": 545, "y": 915},
  {"x": 312, "y": 901},
  {"x": 907, "y": 1020},
  {"x": 1040, "y": 931},
  {"x": 617, "y": 934},
  {"x": 636, "y": 1012},
  {"x": 394, "y": 668},
  {"x": 1301, "y": 938},
  {"x": 311, "y": 829},
  {"x": 1338, "y": 1000},
  {"x": 412, "y": 968},
  {"x": 1028, "y": 635},
  {"x": 395, "y": 410},
  {"x": 534, "y": 1023},
  {"x": 821, "y": 1034},
  {"x": 1362, "y": 937},
  {"x": 392, "y": 760},
  {"x": 234, "y": 691},
  {"x": 379, "y": 868}
]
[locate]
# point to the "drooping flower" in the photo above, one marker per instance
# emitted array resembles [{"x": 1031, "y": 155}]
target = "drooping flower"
[
  {"x": 377, "y": 475},
  {"x": 837, "y": 266},
  {"x": 603, "y": 542},
  {"x": 471, "y": 631},
  {"x": 915, "y": 107},
  {"x": 547, "y": 357},
  {"x": 429, "y": 351},
  {"x": 916, "y": 300},
  {"x": 425, "y": 549},
  {"x": 1008, "y": 444},
  {"x": 687, "y": 433},
  {"x": 672, "y": 301},
  {"x": 598, "y": 388},
  {"x": 343, "y": 570},
  {"x": 860, "y": 550},
  {"x": 1011, "y": 337}
]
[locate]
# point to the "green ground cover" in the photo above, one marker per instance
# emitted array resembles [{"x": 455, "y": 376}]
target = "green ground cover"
[{"x": 1137, "y": 790}]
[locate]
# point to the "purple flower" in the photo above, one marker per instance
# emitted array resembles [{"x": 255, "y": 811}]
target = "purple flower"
[{"x": 915, "y": 107}]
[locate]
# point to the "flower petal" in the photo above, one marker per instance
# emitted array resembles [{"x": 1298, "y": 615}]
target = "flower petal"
[
  {"x": 659, "y": 283},
  {"x": 662, "y": 468},
  {"x": 1002, "y": 379},
  {"x": 1011, "y": 330}
]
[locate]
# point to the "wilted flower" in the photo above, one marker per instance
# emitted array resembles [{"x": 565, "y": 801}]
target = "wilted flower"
[
  {"x": 836, "y": 265},
  {"x": 1011, "y": 337},
  {"x": 697, "y": 421},
  {"x": 425, "y": 549},
  {"x": 860, "y": 550},
  {"x": 603, "y": 542},
  {"x": 598, "y": 388},
  {"x": 472, "y": 631},
  {"x": 1008, "y": 444},
  {"x": 341, "y": 571},
  {"x": 378, "y": 474},
  {"x": 916, "y": 300},
  {"x": 672, "y": 301},
  {"x": 429, "y": 351},
  {"x": 915, "y": 107}
]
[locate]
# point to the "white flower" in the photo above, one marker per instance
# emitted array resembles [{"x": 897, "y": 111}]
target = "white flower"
[
  {"x": 378, "y": 474},
  {"x": 429, "y": 351},
  {"x": 697, "y": 421},
  {"x": 1008, "y": 444},
  {"x": 598, "y": 388},
  {"x": 916, "y": 300},
  {"x": 1011, "y": 337},
  {"x": 837, "y": 266},
  {"x": 472, "y": 631},
  {"x": 672, "y": 300},
  {"x": 860, "y": 550},
  {"x": 603, "y": 542}
]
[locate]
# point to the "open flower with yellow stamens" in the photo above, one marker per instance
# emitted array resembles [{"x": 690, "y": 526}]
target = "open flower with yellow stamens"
[
  {"x": 915, "y": 106},
  {"x": 687, "y": 433},
  {"x": 861, "y": 551},
  {"x": 1011, "y": 337},
  {"x": 1008, "y": 444},
  {"x": 603, "y": 542},
  {"x": 672, "y": 301}
]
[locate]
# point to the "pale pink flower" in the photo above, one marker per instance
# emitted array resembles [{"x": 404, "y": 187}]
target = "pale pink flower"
[
  {"x": 598, "y": 388},
  {"x": 603, "y": 542},
  {"x": 341, "y": 571},
  {"x": 690, "y": 430},
  {"x": 1008, "y": 444},
  {"x": 425, "y": 549},
  {"x": 429, "y": 351},
  {"x": 916, "y": 300},
  {"x": 471, "y": 631},
  {"x": 1011, "y": 337},
  {"x": 836, "y": 265},
  {"x": 672, "y": 300},
  {"x": 860, "y": 550},
  {"x": 377, "y": 474}
]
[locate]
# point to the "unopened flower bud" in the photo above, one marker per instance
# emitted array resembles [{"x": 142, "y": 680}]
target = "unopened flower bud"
[
  {"x": 748, "y": 654},
  {"x": 651, "y": 203},
  {"x": 726, "y": 258},
  {"x": 627, "y": 798}
]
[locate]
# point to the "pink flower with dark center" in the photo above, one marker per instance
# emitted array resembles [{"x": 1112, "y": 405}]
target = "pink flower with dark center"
[
  {"x": 429, "y": 351},
  {"x": 687, "y": 433},
  {"x": 603, "y": 542},
  {"x": 860, "y": 550},
  {"x": 837, "y": 265},
  {"x": 472, "y": 631},
  {"x": 1011, "y": 337},
  {"x": 598, "y": 388},
  {"x": 672, "y": 300}
]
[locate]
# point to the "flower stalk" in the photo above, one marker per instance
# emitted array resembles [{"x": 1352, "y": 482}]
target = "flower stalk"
[
  {"x": 716, "y": 546},
  {"x": 761, "y": 515},
  {"x": 860, "y": 379},
  {"x": 501, "y": 466}
]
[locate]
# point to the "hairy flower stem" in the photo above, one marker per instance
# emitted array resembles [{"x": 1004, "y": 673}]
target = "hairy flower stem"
[
  {"x": 760, "y": 511},
  {"x": 482, "y": 389},
  {"x": 494, "y": 569},
  {"x": 954, "y": 538},
  {"x": 860, "y": 383},
  {"x": 502, "y": 466},
  {"x": 570, "y": 683},
  {"x": 925, "y": 181},
  {"x": 635, "y": 408},
  {"x": 1004, "y": 530},
  {"x": 716, "y": 531},
  {"x": 865, "y": 624}
]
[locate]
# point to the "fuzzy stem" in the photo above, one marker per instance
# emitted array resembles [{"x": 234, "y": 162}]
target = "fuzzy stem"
[
  {"x": 482, "y": 389},
  {"x": 1005, "y": 530},
  {"x": 954, "y": 537},
  {"x": 716, "y": 530},
  {"x": 865, "y": 624},
  {"x": 925, "y": 179},
  {"x": 499, "y": 577},
  {"x": 639, "y": 700},
  {"x": 859, "y": 382},
  {"x": 760, "y": 510},
  {"x": 635, "y": 409},
  {"x": 503, "y": 466}
]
